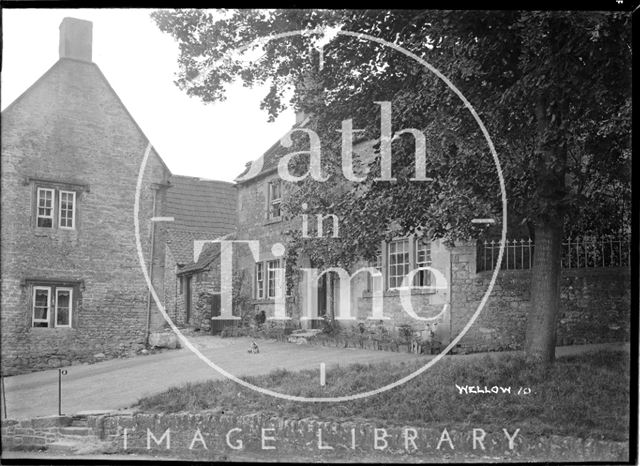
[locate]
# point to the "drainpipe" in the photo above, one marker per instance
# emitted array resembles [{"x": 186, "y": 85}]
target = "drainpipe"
[
  {"x": 450, "y": 294},
  {"x": 150, "y": 266}
]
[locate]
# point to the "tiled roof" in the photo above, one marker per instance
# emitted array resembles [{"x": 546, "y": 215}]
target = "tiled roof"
[
  {"x": 180, "y": 242},
  {"x": 210, "y": 252},
  {"x": 201, "y": 205},
  {"x": 273, "y": 154},
  {"x": 362, "y": 148},
  {"x": 202, "y": 209}
]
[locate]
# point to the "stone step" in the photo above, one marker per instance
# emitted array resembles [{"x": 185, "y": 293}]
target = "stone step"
[
  {"x": 78, "y": 431},
  {"x": 79, "y": 422},
  {"x": 63, "y": 446},
  {"x": 79, "y": 445}
]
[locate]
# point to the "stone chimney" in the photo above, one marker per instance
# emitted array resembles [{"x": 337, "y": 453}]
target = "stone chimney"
[{"x": 76, "y": 37}]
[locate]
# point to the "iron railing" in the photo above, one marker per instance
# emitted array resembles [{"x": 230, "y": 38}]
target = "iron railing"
[{"x": 580, "y": 252}]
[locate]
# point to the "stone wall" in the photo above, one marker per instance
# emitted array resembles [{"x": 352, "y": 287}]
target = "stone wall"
[
  {"x": 171, "y": 285},
  {"x": 254, "y": 225},
  {"x": 41, "y": 433},
  {"x": 70, "y": 128},
  {"x": 208, "y": 435},
  {"x": 204, "y": 285},
  {"x": 594, "y": 305}
]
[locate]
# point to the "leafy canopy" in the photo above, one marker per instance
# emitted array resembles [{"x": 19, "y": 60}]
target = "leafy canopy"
[{"x": 552, "y": 88}]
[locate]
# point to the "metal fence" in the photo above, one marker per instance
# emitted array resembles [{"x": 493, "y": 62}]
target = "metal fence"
[{"x": 584, "y": 252}]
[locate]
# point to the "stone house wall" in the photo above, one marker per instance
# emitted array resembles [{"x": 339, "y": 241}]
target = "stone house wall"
[
  {"x": 70, "y": 129},
  {"x": 171, "y": 286},
  {"x": 254, "y": 225}
]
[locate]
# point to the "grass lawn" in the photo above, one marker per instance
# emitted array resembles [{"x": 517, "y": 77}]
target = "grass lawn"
[{"x": 584, "y": 396}]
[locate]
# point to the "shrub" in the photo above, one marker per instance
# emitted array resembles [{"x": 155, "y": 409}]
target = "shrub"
[
  {"x": 405, "y": 332},
  {"x": 330, "y": 326},
  {"x": 382, "y": 333},
  {"x": 260, "y": 318}
]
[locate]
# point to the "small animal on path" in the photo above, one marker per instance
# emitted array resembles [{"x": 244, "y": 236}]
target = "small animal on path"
[{"x": 253, "y": 349}]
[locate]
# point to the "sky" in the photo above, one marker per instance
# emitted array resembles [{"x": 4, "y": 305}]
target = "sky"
[{"x": 140, "y": 62}]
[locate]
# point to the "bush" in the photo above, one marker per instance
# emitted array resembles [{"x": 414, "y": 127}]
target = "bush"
[
  {"x": 405, "y": 332},
  {"x": 330, "y": 326},
  {"x": 260, "y": 318},
  {"x": 382, "y": 333}
]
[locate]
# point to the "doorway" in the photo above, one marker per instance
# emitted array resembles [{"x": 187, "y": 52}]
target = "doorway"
[{"x": 324, "y": 303}]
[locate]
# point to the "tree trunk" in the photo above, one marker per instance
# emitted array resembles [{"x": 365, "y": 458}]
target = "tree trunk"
[{"x": 545, "y": 293}]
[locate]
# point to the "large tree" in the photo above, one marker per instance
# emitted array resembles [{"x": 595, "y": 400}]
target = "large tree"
[{"x": 552, "y": 88}]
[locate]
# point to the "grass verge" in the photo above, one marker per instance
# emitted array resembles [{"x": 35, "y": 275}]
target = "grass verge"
[{"x": 584, "y": 396}]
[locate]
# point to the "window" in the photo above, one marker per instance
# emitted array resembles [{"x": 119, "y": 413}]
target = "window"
[
  {"x": 260, "y": 280},
  {"x": 398, "y": 262},
  {"x": 45, "y": 207},
  {"x": 41, "y": 305},
  {"x": 66, "y": 218},
  {"x": 399, "y": 258},
  {"x": 423, "y": 259},
  {"x": 49, "y": 202},
  {"x": 64, "y": 298},
  {"x": 274, "y": 287},
  {"x": 268, "y": 280},
  {"x": 52, "y": 306},
  {"x": 274, "y": 200}
]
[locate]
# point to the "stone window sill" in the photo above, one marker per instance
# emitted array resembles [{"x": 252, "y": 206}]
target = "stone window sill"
[
  {"x": 413, "y": 291},
  {"x": 50, "y": 330},
  {"x": 54, "y": 232},
  {"x": 271, "y": 221}
]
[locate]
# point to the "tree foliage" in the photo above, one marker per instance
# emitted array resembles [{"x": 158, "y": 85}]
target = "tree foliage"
[
  {"x": 537, "y": 79},
  {"x": 552, "y": 88}
]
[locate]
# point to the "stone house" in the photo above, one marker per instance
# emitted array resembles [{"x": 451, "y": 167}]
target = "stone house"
[
  {"x": 261, "y": 218},
  {"x": 203, "y": 210},
  {"x": 72, "y": 286},
  {"x": 594, "y": 303}
]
